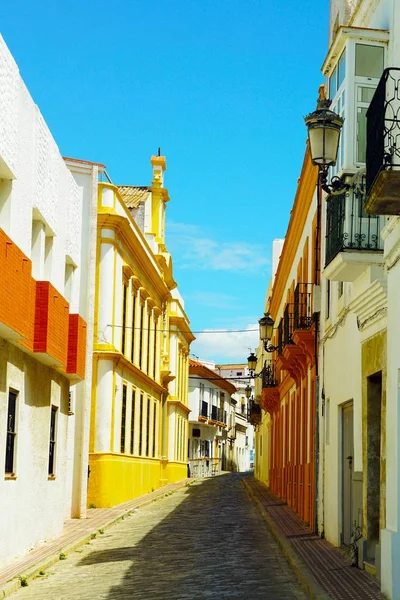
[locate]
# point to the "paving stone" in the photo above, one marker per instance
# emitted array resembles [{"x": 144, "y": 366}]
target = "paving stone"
[{"x": 206, "y": 540}]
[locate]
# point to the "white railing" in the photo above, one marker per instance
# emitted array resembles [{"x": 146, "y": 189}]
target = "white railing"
[{"x": 204, "y": 467}]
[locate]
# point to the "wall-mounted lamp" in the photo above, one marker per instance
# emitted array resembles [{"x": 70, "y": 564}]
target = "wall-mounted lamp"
[
  {"x": 324, "y": 127},
  {"x": 266, "y": 324}
]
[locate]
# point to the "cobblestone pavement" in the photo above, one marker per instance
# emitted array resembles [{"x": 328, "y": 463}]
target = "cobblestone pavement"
[{"x": 206, "y": 540}]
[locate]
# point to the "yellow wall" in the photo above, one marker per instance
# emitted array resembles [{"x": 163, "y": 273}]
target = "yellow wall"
[
  {"x": 261, "y": 467},
  {"x": 115, "y": 478}
]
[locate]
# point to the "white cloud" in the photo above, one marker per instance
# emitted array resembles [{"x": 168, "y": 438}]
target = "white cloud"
[
  {"x": 192, "y": 249},
  {"x": 227, "y": 346}
]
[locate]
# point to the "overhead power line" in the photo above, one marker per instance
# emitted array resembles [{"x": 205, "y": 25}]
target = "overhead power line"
[{"x": 203, "y": 331}]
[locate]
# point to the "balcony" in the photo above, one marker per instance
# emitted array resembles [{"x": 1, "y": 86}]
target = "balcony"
[
  {"x": 268, "y": 377},
  {"x": 254, "y": 413},
  {"x": 304, "y": 333},
  {"x": 203, "y": 415},
  {"x": 270, "y": 394},
  {"x": 353, "y": 240},
  {"x": 50, "y": 340},
  {"x": 383, "y": 146},
  {"x": 218, "y": 416},
  {"x": 17, "y": 293},
  {"x": 76, "y": 348}
]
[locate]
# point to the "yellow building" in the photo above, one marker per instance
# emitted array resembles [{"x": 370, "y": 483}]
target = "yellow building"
[{"x": 139, "y": 417}]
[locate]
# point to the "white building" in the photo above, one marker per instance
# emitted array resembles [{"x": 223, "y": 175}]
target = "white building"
[
  {"x": 211, "y": 421},
  {"x": 45, "y": 308},
  {"x": 359, "y": 476},
  {"x": 238, "y": 375}
]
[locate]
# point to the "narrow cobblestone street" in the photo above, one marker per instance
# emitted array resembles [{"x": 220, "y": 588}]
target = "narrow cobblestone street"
[{"x": 206, "y": 540}]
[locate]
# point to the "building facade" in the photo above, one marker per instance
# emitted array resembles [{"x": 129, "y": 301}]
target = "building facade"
[
  {"x": 286, "y": 389},
  {"x": 45, "y": 318},
  {"x": 211, "y": 422},
  {"x": 238, "y": 375},
  {"x": 139, "y": 424}
]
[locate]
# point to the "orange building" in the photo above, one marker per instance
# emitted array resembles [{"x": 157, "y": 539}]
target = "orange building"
[{"x": 289, "y": 379}]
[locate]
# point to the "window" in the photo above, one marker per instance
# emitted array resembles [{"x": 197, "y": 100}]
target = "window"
[
  {"x": 133, "y": 421},
  {"x": 239, "y": 373},
  {"x": 369, "y": 61},
  {"x": 154, "y": 427},
  {"x": 340, "y": 289},
  {"x": 124, "y": 303},
  {"x": 155, "y": 349},
  {"x": 338, "y": 76},
  {"x": 148, "y": 342},
  {"x": 141, "y": 335},
  {"x": 11, "y": 432},
  {"x": 148, "y": 427},
  {"x": 52, "y": 445},
  {"x": 134, "y": 299},
  {"x": 141, "y": 425},
  {"x": 123, "y": 419},
  {"x": 364, "y": 96}
]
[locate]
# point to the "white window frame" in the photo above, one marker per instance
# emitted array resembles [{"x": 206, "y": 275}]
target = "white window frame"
[{"x": 345, "y": 41}]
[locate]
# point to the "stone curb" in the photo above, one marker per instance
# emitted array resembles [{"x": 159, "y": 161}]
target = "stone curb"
[
  {"x": 302, "y": 572},
  {"x": 14, "y": 585}
]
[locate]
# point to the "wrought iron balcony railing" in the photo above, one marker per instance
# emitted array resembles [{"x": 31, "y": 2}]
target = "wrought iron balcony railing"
[
  {"x": 348, "y": 226},
  {"x": 280, "y": 337},
  {"x": 254, "y": 413},
  {"x": 303, "y": 306},
  {"x": 383, "y": 127},
  {"x": 288, "y": 324},
  {"x": 269, "y": 375}
]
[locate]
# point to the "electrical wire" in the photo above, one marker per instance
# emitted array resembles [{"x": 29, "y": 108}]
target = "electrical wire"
[{"x": 203, "y": 331}]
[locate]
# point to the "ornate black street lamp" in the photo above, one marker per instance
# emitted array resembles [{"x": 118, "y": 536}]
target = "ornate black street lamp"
[
  {"x": 324, "y": 127},
  {"x": 266, "y": 324}
]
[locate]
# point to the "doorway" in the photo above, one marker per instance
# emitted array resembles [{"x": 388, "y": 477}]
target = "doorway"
[
  {"x": 374, "y": 411},
  {"x": 347, "y": 472}
]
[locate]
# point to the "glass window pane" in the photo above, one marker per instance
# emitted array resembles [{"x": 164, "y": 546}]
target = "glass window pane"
[
  {"x": 333, "y": 84},
  {"x": 341, "y": 69},
  {"x": 369, "y": 61},
  {"x": 361, "y": 134},
  {"x": 367, "y": 94}
]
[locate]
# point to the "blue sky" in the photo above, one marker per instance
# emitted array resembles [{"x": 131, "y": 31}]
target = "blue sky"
[{"x": 222, "y": 87}]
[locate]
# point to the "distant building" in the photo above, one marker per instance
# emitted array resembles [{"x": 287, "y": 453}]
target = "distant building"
[
  {"x": 212, "y": 421},
  {"x": 238, "y": 375}
]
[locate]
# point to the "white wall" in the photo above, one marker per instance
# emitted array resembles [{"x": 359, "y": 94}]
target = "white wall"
[{"x": 38, "y": 185}]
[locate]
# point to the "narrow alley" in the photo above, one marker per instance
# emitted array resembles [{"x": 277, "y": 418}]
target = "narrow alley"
[{"x": 206, "y": 540}]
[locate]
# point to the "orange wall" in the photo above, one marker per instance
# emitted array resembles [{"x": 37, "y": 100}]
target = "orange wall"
[{"x": 17, "y": 289}]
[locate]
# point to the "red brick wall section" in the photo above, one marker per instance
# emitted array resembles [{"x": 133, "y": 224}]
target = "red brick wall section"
[
  {"x": 51, "y": 322},
  {"x": 17, "y": 289},
  {"x": 76, "y": 346}
]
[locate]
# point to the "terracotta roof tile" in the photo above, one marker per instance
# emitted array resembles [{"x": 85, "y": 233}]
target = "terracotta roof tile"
[{"x": 132, "y": 195}]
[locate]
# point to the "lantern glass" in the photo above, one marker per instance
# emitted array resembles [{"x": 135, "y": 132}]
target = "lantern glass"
[
  {"x": 247, "y": 391},
  {"x": 252, "y": 362},
  {"x": 266, "y": 324},
  {"x": 324, "y": 128},
  {"x": 324, "y": 144}
]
